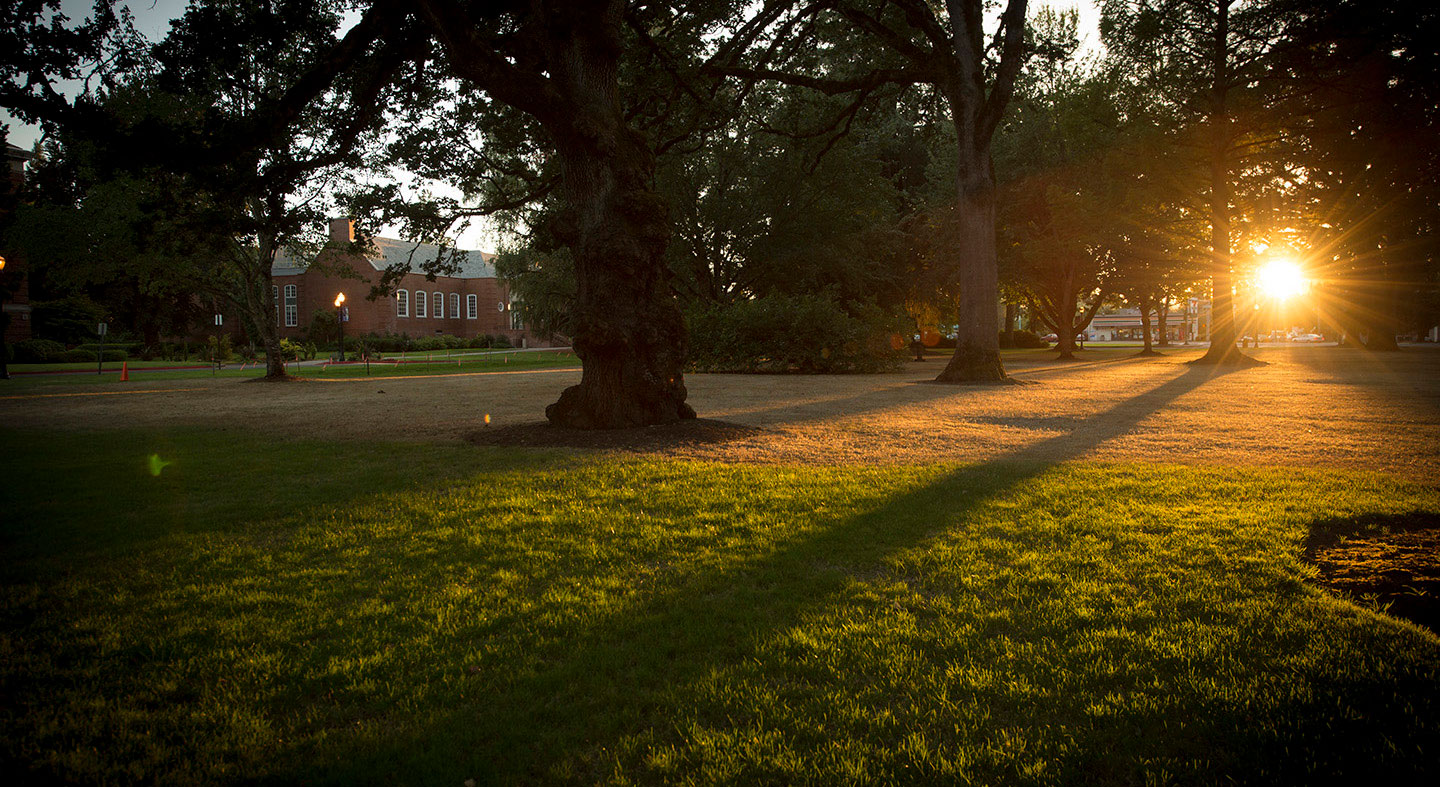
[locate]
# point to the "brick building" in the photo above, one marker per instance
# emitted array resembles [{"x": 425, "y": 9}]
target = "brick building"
[{"x": 473, "y": 302}]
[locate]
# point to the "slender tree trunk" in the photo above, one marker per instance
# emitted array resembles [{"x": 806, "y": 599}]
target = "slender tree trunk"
[
  {"x": 629, "y": 334},
  {"x": 1145, "y": 327},
  {"x": 1163, "y": 315},
  {"x": 1011, "y": 312}
]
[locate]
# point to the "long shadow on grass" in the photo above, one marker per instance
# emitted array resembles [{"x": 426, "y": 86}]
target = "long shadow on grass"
[
  {"x": 552, "y": 722},
  {"x": 901, "y": 394}
]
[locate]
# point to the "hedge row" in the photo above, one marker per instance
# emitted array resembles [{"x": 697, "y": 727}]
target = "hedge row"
[{"x": 782, "y": 333}]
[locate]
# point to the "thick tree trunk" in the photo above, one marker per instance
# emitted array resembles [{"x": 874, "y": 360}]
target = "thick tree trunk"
[
  {"x": 629, "y": 334},
  {"x": 977, "y": 334},
  {"x": 1065, "y": 343},
  {"x": 1384, "y": 322},
  {"x": 1222, "y": 301}
]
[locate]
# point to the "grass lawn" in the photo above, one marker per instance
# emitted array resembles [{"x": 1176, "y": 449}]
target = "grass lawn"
[
  {"x": 406, "y": 613},
  {"x": 414, "y": 364}
]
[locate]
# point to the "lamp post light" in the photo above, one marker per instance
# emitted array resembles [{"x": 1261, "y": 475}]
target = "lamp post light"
[
  {"x": 340, "y": 321},
  {"x": 4, "y": 324}
]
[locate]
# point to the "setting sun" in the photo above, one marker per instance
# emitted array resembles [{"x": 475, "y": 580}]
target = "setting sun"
[{"x": 1281, "y": 278}]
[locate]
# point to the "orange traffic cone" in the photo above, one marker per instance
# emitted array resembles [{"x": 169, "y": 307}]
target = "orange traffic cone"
[{"x": 124, "y": 371}]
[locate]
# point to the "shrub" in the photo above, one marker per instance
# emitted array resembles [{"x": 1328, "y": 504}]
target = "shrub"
[
  {"x": 501, "y": 342},
  {"x": 290, "y": 351},
  {"x": 77, "y": 356},
  {"x": 780, "y": 333},
  {"x": 38, "y": 351},
  {"x": 218, "y": 349},
  {"x": 1027, "y": 340}
]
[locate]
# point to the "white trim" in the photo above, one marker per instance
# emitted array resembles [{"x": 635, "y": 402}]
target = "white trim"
[
  {"x": 402, "y": 303},
  {"x": 422, "y": 304},
  {"x": 439, "y": 310},
  {"x": 472, "y": 307}
]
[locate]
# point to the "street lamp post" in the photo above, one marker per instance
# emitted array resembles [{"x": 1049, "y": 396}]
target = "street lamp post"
[
  {"x": 340, "y": 321},
  {"x": 4, "y": 324}
]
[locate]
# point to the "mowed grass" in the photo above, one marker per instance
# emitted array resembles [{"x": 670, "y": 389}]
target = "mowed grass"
[
  {"x": 435, "y": 364},
  {"x": 415, "y": 614}
]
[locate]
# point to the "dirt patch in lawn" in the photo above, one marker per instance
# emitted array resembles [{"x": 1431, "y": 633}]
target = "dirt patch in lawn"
[
  {"x": 1309, "y": 407},
  {"x": 1390, "y": 562}
]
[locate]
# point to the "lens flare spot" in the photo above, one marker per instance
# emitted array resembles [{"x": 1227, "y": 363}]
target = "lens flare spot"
[
  {"x": 487, "y": 419},
  {"x": 156, "y": 464},
  {"x": 1281, "y": 278}
]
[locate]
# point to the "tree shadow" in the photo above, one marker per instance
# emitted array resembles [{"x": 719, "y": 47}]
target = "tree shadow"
[{"x": 703, "y": 625}]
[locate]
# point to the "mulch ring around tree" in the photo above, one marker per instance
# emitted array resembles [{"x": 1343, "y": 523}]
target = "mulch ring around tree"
[
  {"x": 1391, "y": 562},
  {"x": 688, "y": 433}
]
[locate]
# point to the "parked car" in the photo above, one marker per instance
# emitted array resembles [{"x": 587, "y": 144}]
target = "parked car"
[{"x": 1307, "y": 337}]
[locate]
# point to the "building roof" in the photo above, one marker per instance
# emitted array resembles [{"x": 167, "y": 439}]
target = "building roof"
[{"x": 392, "y": 252}]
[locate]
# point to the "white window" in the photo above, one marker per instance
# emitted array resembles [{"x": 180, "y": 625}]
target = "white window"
[
  {"x": 402, "y": 303},
  {"x": 440, "y": 305},
  {"x": 292, "y": 306},
  {"x": 422, "y": 302},
  {"x": 517, "y": 323},
  {"x": 454, "y": 305},
  {"x": 275, "y": 299},
  {"x": 472, "y": 307}
]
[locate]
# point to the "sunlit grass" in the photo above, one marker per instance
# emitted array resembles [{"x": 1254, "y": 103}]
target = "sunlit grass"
[{"x": 350, "y": 613}]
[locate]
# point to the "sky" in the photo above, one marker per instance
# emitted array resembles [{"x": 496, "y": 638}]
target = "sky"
[{"x": 152, "y": 18}]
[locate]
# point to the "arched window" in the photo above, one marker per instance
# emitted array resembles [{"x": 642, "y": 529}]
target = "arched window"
[
  {"x": 402, "y": 303},
  {"x": 472, "y": 307},
  {"x": 454, "y": 305},
  {"x": 440, "y": 305},
  {"x": 422, "y": 303}
]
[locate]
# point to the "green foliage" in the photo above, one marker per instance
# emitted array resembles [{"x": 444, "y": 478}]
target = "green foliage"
[
  {"x": 219, "y": 348},
  {"x": 291, "y": 351},
  {"x": 38, "y": 351},
  {"x": 324, "y": 328},
  {"x": 1024, "y": 340},
  {"x": 542, "y": 287},
  {"x": 784, "y": 333},
  {"x": 69, "y": 320}
]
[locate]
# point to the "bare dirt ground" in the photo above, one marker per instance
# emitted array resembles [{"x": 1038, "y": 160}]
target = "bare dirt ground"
[{"x": 1310, "y": 407}]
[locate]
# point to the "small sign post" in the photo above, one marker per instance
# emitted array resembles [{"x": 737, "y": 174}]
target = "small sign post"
[
  {"x": 215, "y": 362},
  {"x": 101, "y": 329}
]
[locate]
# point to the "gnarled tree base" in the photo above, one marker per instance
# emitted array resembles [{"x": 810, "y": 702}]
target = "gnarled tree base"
[
  {"x": 590, "y": 406},
  {"x": 1231, "y": 358},
  {"x": 974, "y": 366}
]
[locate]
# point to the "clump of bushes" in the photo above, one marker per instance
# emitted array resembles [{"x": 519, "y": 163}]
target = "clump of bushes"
[
  {"x": 811, "y": 334},
  {"x": 398, "y": 343},
  {"x": 38, "y": 351},
  {"x": 1025, "y": 340}
]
